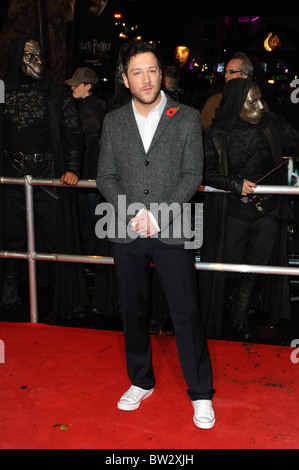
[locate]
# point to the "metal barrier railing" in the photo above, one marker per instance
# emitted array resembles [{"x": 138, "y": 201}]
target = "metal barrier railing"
[{"x": 32, "y": 256}]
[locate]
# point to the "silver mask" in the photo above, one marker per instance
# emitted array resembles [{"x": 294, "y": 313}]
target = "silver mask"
[
  {"x": 33, "y": 62},
  {"x": 253, "y": 108}
]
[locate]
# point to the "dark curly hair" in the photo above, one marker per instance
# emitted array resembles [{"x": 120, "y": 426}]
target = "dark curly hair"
[{"x": 130, "y": 50}]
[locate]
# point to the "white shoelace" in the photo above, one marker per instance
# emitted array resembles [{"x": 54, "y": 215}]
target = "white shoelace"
[
  {"x": 203, "y": 408},
  {"x": 132, "y": 395}
]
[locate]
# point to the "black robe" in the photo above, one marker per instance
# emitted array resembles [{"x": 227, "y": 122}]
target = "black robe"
[
  {"x": 273, "y": 294},
  {"x": 69, "y": 282}
]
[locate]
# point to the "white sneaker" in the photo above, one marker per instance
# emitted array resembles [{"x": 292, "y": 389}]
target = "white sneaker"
[
  {"x": 204, "y": 416},
  {"x": 132, "y": 398}
]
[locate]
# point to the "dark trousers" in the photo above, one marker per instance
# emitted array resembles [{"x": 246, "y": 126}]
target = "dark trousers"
[
  {"x": 175, "y": 267},
  {"x": 45, "y": 207},
  {"x": 45, "y": 210},
  {"x": 88, "y": 201},
  {"x": 249, "y": 242},
  {"x": 15, "y": 224}
]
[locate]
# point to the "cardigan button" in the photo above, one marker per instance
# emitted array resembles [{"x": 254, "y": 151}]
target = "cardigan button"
[
  {"x": 146, "y": 191},
  {"x": 146, "y": 162}
]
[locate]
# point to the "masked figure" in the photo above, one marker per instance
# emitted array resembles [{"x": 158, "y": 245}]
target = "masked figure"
[
  {"x": 42, "y": 137},
  {"x": 242, "y": 145},
  {"x": 33, "y": 62}
]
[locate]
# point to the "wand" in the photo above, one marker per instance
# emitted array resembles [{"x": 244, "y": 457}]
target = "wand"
[{"x": 272, "y": 171}]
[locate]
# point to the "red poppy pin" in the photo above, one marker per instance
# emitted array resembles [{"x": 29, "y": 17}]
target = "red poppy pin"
[{"x": 172, "y": 111}]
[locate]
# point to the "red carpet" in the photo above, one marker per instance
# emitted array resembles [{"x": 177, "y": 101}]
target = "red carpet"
[{"x": 59, "y": 388}]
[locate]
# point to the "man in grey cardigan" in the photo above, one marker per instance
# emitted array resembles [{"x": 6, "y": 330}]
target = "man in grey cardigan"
[{"x": 150, "y": 166}]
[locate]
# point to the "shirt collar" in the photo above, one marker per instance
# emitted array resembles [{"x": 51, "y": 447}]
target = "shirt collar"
[{"x": 159, "y": 108}]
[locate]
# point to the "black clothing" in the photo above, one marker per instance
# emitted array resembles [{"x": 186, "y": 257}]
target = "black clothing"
[
  {"x": 233, "y": 98},
  {"x": 177, "y": 94},
  {"x": 91, "y": 111},
  {"x": 26, "y": 124},
  {"x": 176, "y": 270},
  {"x": 40, "y": 117},
  {"x": 234, "y": 151}
]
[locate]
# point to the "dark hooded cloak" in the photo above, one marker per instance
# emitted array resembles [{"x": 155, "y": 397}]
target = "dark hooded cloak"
[
  {"x": 69, "y": 282},
  {"x": 233, "y": 98},
  {"x": 276, "y": 135}
]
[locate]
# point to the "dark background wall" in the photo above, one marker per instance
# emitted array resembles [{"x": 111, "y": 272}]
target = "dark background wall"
[{"x": 18, "y": 17}]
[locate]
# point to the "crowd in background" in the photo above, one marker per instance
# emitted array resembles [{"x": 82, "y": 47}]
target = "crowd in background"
[{"x": 92, "y": 103}]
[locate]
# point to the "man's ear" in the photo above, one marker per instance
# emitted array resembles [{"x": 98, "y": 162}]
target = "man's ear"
[{"x": 124, "y": 77}]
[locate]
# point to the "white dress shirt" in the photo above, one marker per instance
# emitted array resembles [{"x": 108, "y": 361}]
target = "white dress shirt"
[{"x": 147, "y": 125}]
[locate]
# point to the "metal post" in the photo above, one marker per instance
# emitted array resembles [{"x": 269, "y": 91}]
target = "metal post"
[
  {"x": 31, "y": 248},
  {"x": 40, "y": 24},
  {"x": 32, "y": 256}
]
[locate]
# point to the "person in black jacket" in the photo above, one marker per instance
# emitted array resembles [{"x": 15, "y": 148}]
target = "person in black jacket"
[
  {"x": 171, "y": 79},
  {"x": 92, "y": 112},
  {"x": 244, "y": 146},
  {"x": 42, "y": 137}
]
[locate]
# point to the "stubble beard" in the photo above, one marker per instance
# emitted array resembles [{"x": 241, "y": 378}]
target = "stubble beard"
[{"x": 140, "y": 99}]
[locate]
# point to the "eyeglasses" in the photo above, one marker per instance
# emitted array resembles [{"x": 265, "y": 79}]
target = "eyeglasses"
[{"x": 231, "y": 72}]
